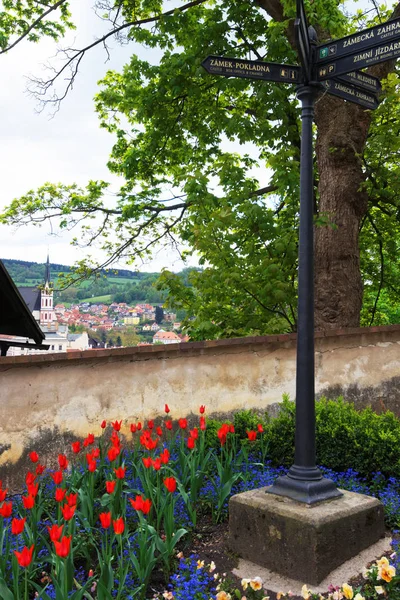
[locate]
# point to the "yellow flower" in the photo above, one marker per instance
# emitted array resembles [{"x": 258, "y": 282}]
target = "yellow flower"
[
  {"x": 279, "y": 595},
  {"x": 223, "y": 596},
  {"x": 359, "y": 597},
  {"x": 382, "y": 561},
  {"x": 212, "y": 566},
  {"x": 347, "y": 591},
  {"x": 256, "y": 583},
  {"x": 200, "y": 564},
  {"x": 305, "y": 592},
  {"x": 379, "y": 589},
  {"x": 245, "y": 583},
  {"x": 386, "y": 572},
  {"x": 265, "y": 598}
]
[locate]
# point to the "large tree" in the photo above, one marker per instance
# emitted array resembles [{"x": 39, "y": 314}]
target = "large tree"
[{"x": 214, "y": 162}]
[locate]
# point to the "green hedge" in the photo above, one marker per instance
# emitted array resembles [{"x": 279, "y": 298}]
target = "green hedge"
[{"x": 345, "y": 437}]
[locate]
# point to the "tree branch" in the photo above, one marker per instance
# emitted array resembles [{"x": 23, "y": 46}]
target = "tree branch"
[
  {"x": 33, "y": 25},
  {"x": 74, "y": 60}
]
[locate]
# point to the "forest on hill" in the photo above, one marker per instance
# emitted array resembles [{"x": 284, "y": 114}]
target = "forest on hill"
[{"x": 109, "y": 286}]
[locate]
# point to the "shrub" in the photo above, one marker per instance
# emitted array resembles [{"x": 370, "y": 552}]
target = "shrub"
[{"x": 345, "y": 437}]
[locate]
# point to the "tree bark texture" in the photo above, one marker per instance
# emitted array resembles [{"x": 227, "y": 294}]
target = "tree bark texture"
[{"x": 341, "y": 136}]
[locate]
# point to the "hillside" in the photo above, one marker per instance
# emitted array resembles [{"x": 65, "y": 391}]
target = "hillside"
[{"x": 113, "y": 285}]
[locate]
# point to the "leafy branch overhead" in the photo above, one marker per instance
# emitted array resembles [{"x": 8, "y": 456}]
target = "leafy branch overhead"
[{"x": 214, "y": 163}]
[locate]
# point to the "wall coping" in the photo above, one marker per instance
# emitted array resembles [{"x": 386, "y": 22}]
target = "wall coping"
[{"x": 159, "y": 350}]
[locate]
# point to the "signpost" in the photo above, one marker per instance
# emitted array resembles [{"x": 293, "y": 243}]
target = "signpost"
[
  {"x": 333, "y": 68},
  {"x": 352, "y": 93},
  {"x": 357, "y": 43},
  {"x": 251, "y": 69}
]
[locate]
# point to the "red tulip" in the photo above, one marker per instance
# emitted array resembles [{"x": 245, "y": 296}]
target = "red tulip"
[
  {"x": 103, "y": 424},
  {"x": 76, "y": 447},
  {"x": 182, "y": 423},
  {"x": 24, "y": 557},
  {"x": 133, "y": 428},
  {"x": 141, "y": 504},
  {"x": 191, "y": 443},
  {"x": 168, "y": 425},
  {"x": 57, "y": 477},
  {"x": 164, "y": 456},
  {"x": 30, "y": 478},
  {"x": 139, "y": 426},
  {"x": 72, "y": 499},
  {"x": 119, "y": 526},
  {"x": 150, "y": 424},
  {"x": 63, "y": 547},
  {"x": 194, "y": 433},
  {"x": 113, "y": 453},
  {"x": 222, "y": 433},
  {"x": 59, "y": 495},
  {"x": 166, "y": 408},
  {"x": 260, "y": 428},
  {"x": 202, "y": 423},
  {"x": 157, "y": 464},
  {"x": 252, "y": 435},
  {"x": 28, "y": 501},
  {"x": 62, "y": 461},
  {"x": 120, "y": 472},
  {"x": 147, "y": 462},
  {"x": 40, "y": 469},
  {"x": 117, "y": 425},
  {"x": 33, "y": 489},
  {"x": 6, "y": 509},
  {"x": 68, "y": 511},
  {"x": 170, "y": 484},
  {"x": 202, "y": 409},
  {"x": 92, "y": 466},
  {"x": 115, "y": 439},
  {"x": 34, "y": 456},
  {"x": 3, "y": 494},
  {"x": 159, "y": 431},
  {"x": 110, "y": 486},
  {"x": 88, "y": 440},
  {"x": 17, "y": 526},
  {"x": 105, "y": 519},
  {"x": 55, "y": 532},
  {"x": 231, "y": 428},
  {"x": 96, "y": 453}
]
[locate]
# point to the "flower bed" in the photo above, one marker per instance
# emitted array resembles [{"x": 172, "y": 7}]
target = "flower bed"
[{"x": 102, "y": 524}]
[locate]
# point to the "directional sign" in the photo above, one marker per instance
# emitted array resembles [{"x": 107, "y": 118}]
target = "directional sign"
[
  {"x": 363, "y": 40},
  {"x": 302, "y": 38},
  {"x": 360, "y": 60},
  {"x": 351, "y": 93},
  {"x": 251, "y": 69},
  {"x": 363, "y": 81}
]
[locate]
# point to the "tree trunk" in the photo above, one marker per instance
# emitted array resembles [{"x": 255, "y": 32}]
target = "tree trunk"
[{"x": 341, "y": 137}]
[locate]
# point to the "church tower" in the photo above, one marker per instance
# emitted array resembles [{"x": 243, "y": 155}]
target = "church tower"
[{"x": 47, "y": 313}]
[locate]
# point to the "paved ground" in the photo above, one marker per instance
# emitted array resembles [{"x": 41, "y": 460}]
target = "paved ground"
[{"x": 350, "y": 569}]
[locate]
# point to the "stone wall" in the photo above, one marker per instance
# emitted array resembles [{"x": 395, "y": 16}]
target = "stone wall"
[{"x": 50, "y": 399}]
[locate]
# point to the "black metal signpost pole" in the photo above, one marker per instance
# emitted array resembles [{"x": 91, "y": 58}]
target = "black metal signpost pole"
[{"x": 304, "y": 481}]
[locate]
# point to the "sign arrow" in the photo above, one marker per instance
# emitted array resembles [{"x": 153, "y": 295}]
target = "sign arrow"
[
  {"x": 363, "y": 81},
  {"x": 351, "y": 93},
  {"x": 251, "y": 69},
  {"x": 363, "y": 40},
  {"x": 360, "y": 60}
]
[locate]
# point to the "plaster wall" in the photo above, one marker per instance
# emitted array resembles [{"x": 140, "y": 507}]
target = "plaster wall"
[{"x": 50, "y": 400}]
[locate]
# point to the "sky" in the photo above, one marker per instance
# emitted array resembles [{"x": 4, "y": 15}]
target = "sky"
[{"x": 68, "y": 148}]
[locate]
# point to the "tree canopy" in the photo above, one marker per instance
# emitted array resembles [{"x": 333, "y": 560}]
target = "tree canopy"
[{"x": 214, "y": 163}]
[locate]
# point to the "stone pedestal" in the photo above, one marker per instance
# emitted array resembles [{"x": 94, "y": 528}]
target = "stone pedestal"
[{"x": 301, "y": 541}]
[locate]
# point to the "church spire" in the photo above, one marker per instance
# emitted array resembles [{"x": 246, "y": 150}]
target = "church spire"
[{"x": 47, "y": 272}]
